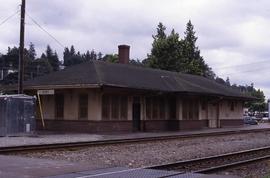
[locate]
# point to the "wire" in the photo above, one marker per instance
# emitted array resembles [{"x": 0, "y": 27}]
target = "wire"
[
  {"x": 247, "y": 71},
  {"x": 35, "y": 22},
  {"x": 5, "y": 20},
  {"x": 240, "y": 65}
]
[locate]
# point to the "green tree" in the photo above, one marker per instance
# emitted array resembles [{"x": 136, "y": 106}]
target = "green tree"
[
  {"x": 99, "y": 56},
  {"x": 166, "y": 52},
  {"x": 71, "y": 57},
  {"x": 228, "y": 83},
  {"x": 32, "y": 52},
  {"x": 113, "y": 58},
  {"x": 258, "y": 105},
  {"x": 52, "y": 58},
  {"x": 170, "y": 52},
  {"x": 195, "y": 63}
]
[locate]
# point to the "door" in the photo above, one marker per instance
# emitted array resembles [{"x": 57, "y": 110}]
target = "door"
[
  {"x": 136, "y": 114},
  {"x": 213, "y": 115}
]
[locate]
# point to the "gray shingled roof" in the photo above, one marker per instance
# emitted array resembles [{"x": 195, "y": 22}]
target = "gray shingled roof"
[{"x": 98, "y": 73}]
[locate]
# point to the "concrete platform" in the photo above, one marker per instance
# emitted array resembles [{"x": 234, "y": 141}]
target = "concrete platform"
[
  {"x": 51, "y": 138},
  {"x": 15, "y": 166}
]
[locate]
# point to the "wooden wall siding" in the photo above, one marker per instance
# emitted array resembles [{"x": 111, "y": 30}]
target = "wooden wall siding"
[{"x": 158, "y": 119}]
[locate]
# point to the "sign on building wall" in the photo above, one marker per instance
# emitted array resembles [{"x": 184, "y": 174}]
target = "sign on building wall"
[{"x": 45, "y": 92}]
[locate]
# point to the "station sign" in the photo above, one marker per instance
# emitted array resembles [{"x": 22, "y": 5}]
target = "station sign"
[{"x": 45, "y": 92}]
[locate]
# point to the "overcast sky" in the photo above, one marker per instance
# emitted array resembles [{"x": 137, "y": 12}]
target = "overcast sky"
[{"x": 233, "y": 35}]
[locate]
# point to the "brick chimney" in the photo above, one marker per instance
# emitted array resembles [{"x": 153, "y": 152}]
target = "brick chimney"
[{"x": 123, "y": 54}]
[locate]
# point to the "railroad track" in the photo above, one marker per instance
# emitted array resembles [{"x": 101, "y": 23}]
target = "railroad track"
[
  {"x": 217, "y": 163},
  {"x": 77, "y": 145}
]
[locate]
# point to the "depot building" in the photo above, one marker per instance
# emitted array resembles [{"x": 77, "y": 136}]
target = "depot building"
[{"x": 99, "y": 96}]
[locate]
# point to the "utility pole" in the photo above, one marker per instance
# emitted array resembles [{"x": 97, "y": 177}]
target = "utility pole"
[{"x": 21, "y": 55}]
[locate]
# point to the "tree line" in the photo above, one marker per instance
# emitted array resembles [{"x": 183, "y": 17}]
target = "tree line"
[
  {"x": 37, "y": 66},
  {"x": 168, "y": 52}
]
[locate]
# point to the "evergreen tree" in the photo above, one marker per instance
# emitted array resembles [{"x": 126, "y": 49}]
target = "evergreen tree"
[
  {"x": 31, "y": 52},
  {"x": 66, "y": 56},
  {"x": 169, "y": 52},
  {"x": 166, "y": 51},
  {"x": 72, "y": 51},
  {"x": 228, "y": 83},
  {"x": 220, "y": 81},
  {"x": 87, "y": 56},
  {"x": 113, "y": 58},
  {"x": 160, "y": 32},
  {"x": 52, "y": 58},
  {"x": 71, "y": 57},
  {"x": 12, "y": 57},
  {"x": 93, "y": 55},
  {"x": 99, "y": 56},
  {"x": 194, "y": 61}
]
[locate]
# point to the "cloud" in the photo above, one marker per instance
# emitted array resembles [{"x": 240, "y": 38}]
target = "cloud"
[{"x": 229, "y": 32}]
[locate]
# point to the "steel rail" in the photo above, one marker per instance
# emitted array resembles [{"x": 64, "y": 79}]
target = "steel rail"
[
  {"x": 226, "y": 166},
  {"x": 212, "y": 169},
  {"x": 54, "y": 146}
]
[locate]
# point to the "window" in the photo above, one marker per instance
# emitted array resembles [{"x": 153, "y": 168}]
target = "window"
[
  {"x": 203, "y": 104},
  {"x": 59, "y": 106},
  {"x": 190, "y": 109},
  {"x": 172, "y": 108},
  {"x": 83, "y": 106},
  {"x": 105, "y": 107},
  {"x": 162, "y": 108},
  {"x": 148, "y": 103},
  {"x": 123, "y": 107},
  {"x": 155, "y": 108},
  {"x": 185, "y": 109},
  {"x": 232, "y": 106},
  {"x": 114, "y": 107}
]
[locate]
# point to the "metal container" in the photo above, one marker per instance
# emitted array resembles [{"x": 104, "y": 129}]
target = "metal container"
[{"x": 17, "y": 115}]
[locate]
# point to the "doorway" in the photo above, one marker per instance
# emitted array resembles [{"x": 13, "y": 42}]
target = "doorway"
[
  {"x": 213, "y": 115},
  {"x": 136, "y": 114}
]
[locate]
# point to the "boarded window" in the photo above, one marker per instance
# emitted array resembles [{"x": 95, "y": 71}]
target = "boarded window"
[
  {"x": 185, "y": 109},
  {"x": 162, "y": 109},
  {"x": 83, "y": 106},
  {"x": 172, "y": 108},
  {"x": 232, "y": 106},
  {"x": 155, "y": 108},
  {"x": 203, "y": 104},
  {"x": 59, "y": 106},
  {"x": 123, "y": 108},
  {"x": 105, "y": 107},
  {"x": 190, "y": 109},
  {"x": 114, "y": 107},
  {"x": 148, "y": 108}
]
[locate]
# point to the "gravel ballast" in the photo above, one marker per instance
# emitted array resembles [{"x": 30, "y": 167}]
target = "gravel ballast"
[{"x": 156, "y": 152}]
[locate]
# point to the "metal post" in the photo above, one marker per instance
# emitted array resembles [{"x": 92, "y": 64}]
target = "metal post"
[
  {"x": 21, "y": 54},
  {"x": 268, "y": 104}
]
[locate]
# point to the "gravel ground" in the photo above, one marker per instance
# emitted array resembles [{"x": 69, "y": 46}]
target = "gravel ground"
[
  {"x": 152, "y": 153},
  {"x": 254, "y": 170}
]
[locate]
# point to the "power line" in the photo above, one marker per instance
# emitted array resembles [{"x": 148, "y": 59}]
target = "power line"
[
  {"x": 240, "y": 65},
  {"x": 247, "y": 71},
  {"x": 35, "y": 22},
  {"x": 9, "y": 17}
]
